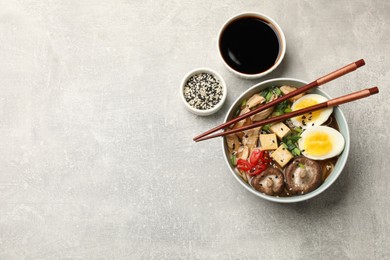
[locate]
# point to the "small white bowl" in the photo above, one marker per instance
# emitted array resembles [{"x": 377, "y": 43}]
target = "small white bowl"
[
  {"x": 279, "y": 32},
  {"x": 208, "y": 111}
]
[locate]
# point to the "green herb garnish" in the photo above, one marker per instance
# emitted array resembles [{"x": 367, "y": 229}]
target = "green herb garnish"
[
  {"x": 243, "y": 103},
  {"x": 277, "y": 91},
  {"x": 296, "y": 151},
  {"x": 277, "y": 113},
  {"x": 233, "y": 159},
  {"x": 237, "y": 112},
  {"x": 264, "y": 93},
  {"x": 268, "y": 96},
  {"x": 291, "y": 143},
  {"x": 298, "y": 129},
  {"x": 266, "y": 127}
]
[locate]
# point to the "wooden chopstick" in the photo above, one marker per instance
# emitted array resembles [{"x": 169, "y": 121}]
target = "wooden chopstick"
[
  {"x": 318, "y": 82},
  {"x": 330, "y": 103}
]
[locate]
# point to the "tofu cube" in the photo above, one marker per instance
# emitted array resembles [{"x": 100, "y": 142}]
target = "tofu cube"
[
  {"x": 282, "y": 155},
  {"x": 280, "y": 129},
  {"x": 268, "y": 142}
]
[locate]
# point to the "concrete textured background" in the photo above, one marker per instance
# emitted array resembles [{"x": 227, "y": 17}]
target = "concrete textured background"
[{"x": 96, "y": 157}]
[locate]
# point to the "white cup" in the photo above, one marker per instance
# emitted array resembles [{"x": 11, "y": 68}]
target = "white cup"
[{"x": 278, "y": 31}]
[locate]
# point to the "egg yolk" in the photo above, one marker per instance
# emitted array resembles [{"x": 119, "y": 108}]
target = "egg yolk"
[
  {"x": 318, "y": 144},
  {"x": 307, "y": 118}
]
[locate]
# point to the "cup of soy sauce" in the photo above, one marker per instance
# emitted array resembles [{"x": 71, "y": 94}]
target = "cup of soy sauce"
[{"x": 251, "y": 45}]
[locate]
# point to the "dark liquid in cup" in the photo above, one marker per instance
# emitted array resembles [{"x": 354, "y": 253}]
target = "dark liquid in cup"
[{"x": 249, "y": 45}]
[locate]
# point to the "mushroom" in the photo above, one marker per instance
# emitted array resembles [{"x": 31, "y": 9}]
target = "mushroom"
[
  {"x": 251, "y": 137},
  {"x": 262, "y": 114},
  {"x": 269, "y": 182},
  {"x": 255, "y": 100},
  {"x": 246, "y": 122},
  {"x": 243, "y": 152},
  {"x": 241, "y": 122},
  {"x": 265, "y": 113},
  {"x": 303, "y": 175},
  {"x": 233, "y": 143},
  {"x": 287, "y": 89}
]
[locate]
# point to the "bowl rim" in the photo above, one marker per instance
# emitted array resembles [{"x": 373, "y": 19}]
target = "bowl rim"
[
  {"x": 210, "y": 111},
  {"x": 279, "y": 31},
  {"x": 325, "y": 185}
]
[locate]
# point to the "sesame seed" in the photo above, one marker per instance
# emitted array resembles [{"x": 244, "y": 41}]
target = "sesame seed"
[{"x": 203, "y": 91}]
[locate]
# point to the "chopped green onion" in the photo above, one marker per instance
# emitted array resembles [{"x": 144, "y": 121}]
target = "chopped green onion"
[
  {"x": 277, "y": 91},
  {"x": 301, "y": 165},
  {"x": 264, "y": 93},
  {"x": 243, "y": 103},
  {"x": 281, "y": 107},
  {"x": 294, "y": 138},
  {"x": 268, "y": 97},
  {"x": 298, "y": 129},
  {"x": 296, "y": 151},
  {"x": 277, "y": 113},
  {"x": 291, "y": 147},
  {"x": 233, "y": 159},
  {"x": 288, "y": 110},
  {"x": 266, "y": 127},
  {"x": 237, "y": 112}
]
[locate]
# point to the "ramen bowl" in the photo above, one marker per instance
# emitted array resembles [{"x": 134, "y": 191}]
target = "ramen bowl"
[{"x": 343, "y": 129}]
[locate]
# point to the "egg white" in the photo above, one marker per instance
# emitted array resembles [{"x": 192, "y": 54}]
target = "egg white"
[
  {"x": 336, "y": 138},
  {"x": 325, "y": 113}
]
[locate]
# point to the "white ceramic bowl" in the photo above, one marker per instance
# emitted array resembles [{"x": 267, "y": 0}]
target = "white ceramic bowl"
[
  {"x": 213, "y": 109},
  {"x": 343, "y": 128},
  {"x": 281, "y": 37}
]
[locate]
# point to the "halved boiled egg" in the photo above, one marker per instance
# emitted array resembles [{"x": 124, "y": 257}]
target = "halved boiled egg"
[
  {"x": 321, "y": 142},
  {"x": 313, "y": 118}
]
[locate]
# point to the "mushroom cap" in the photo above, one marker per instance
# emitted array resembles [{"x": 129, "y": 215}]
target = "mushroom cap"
[
  {"x": 269, "y": 182},
  {"x": 303, "y": 175}
]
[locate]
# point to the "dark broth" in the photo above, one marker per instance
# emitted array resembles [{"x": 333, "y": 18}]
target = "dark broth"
[{"x": 249, "y": 45}]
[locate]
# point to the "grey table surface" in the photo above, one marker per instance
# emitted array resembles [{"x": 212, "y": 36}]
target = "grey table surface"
[{"x": 96, "y": 154}]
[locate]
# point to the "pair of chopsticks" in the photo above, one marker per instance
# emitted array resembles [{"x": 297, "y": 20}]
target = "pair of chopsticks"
[{"x": 318, "y": 82}]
